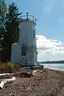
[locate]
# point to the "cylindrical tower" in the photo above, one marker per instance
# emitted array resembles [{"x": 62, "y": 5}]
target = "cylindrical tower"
[{"x": 28, "y": 40}]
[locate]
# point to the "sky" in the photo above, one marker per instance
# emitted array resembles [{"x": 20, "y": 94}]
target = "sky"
[{"x": 49, "y": 26}]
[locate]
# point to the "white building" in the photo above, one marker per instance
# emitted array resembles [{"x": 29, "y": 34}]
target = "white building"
[{"x": 24, "y": 52}]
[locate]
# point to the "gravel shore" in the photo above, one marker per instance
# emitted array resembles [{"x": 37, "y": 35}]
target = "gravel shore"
[{"x": 43, "y": 83}]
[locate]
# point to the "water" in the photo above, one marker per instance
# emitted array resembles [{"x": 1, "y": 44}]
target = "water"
[{"x": 54, "y": 66}]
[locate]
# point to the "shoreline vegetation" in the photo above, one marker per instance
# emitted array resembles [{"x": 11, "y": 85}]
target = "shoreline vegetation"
[{"x": 9, "y": 67}]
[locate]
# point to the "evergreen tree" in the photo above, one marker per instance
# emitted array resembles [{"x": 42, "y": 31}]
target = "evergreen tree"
[
  {"x": 11, "y": 35},
  {"x": 3, "y": 10}
]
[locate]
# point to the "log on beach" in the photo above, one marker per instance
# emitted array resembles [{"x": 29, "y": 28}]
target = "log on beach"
[
  {"x": 3, "y": 82},
  {"x": 17, "y": 74},
  {"x": 5, "y": 75}
]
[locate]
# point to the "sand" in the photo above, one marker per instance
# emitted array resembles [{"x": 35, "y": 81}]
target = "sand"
[{"x": 43, "y": 83}]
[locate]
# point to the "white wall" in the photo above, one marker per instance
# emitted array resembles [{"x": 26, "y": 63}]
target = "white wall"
[
  {"x": 26, "y": 32},
  {"x": 16, "y": 53}
]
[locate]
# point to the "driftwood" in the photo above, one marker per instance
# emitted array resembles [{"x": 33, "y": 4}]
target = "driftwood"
[
  {"x": 5, "y": 75},
  {"x": 9, "y": 75},
  {"x": 17, "y": 74},
  {"x": 34, "y": 71},
  {"x": 6, "y": 81},
  {"x": 23, "y": 74}
]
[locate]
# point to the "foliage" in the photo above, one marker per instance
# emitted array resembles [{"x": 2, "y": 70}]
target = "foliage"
[
  {"x": 41, "y": 66},
  {"x": 2, "y": 16},
  {"x": 11, "y": 34},
  {"x": 12, "y": 23},
  {"x": 8, "y": 67},
  {"x": 3, "y": 9}
]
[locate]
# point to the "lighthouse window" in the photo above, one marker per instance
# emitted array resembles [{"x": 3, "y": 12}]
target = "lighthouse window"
[
  {"x": 33, "y": 33},
  {"x": 23, "y": 51}
]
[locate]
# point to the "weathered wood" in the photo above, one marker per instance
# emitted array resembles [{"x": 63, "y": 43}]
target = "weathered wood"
[
  {"x": 5, "y": 75},
  {"x": 34, "y": 71},
  {"x": 17, "y": 74},
  {"x": 6, "y": 81}
]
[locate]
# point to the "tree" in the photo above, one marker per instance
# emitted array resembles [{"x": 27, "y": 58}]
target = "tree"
[
  {"x": 3, "y": 10},
  {"x": 11, "y": 35}
]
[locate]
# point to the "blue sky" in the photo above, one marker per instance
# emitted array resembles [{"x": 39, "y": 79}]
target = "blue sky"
[{"x": 49, "y": 28}]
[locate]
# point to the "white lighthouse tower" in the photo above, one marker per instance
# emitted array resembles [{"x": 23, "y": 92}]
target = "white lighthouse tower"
[{"x": 24, "y": 52}]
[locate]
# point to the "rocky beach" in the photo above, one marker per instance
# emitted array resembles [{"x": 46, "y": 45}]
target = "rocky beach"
[{"x": 45, "y": 82}]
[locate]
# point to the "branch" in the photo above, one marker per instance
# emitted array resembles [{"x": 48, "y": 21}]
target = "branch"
[{"x": 6, "y": 81}]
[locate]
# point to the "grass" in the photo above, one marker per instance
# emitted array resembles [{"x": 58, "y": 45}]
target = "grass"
[{"x": 8, "y": 67}]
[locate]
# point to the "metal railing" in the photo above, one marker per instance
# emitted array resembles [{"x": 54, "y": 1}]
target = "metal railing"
[{"x": 28, "y": 18}]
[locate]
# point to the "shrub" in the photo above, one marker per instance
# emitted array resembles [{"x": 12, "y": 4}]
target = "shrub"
[
  {"x": 41, "y": 66},
  {"x": 17, "y": 67},
  {"x": 9, "y": 67}
]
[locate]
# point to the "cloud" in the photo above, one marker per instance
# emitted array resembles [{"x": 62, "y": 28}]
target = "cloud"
[{"x": 47, "y": 46}]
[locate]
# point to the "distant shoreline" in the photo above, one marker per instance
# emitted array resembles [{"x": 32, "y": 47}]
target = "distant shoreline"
[{"x": 53, "y": 62}]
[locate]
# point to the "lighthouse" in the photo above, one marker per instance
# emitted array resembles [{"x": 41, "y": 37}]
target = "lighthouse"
[{"x": 24, "y": 52}]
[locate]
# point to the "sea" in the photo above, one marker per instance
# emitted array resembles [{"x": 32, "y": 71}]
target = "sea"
[{"x": 55, "y": 66}]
